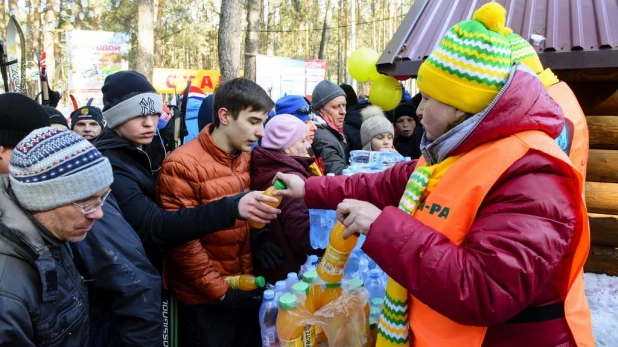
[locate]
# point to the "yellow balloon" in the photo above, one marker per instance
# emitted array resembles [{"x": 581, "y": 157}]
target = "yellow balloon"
[
  {"x": 385, "y": 92},
  {"x": 362, "y": 65}
]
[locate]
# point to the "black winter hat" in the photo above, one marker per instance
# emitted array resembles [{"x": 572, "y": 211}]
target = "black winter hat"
[
  {"x": 87, "y": 112},
  {"x": 405, "y": 109},
  {"x": 19, "y": 116},
  {"x": 55, "y": 116},
  {"x": 350, "y": 95},
  {"x": 128, "y": 94}
]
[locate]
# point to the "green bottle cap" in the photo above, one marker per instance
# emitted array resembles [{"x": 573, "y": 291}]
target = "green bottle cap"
[
  {"x": 355, "y": 283},
  {"x": 287, "y": 301},
  {"x": 310, "y": 276},
  {"x": 280, "y": 185},
  {"x": 260, "y": 282},
  {"x": 333, "y": 285},
  {"x": 300, "y": 288},
  {"x": 377, "y": 302}
]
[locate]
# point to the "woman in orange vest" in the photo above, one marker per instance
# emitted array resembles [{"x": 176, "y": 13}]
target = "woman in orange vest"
[{"x": 485, "y": 236}]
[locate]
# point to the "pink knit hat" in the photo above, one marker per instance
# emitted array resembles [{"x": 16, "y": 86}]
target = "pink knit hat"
[{"x": 282, "y": 131}]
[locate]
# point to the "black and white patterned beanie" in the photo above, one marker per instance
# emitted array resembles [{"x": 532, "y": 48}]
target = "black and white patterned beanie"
[{"x": 126, "y": 95}]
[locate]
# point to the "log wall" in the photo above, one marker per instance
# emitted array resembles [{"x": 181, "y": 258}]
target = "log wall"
[{"x": 597, "y": 93}]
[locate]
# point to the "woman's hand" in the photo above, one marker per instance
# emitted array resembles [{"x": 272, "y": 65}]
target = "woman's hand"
[
  {"x": 357, "y": 216},
  {"x": 295, "y": 184}
]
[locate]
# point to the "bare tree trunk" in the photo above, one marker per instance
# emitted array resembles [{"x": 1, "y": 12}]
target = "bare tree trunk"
[
  {"x": 229, "y": 39},
  {"x": 373, "y": 25},
  {"x": 270, "y": 50},
  {"x": 252, "y": 39},
  {"x": 352, "y": 46},
  {"x": 328, "y": 18},
  {"x": 159, "y": 44},
  {"x": 49, "y": 40},
  {"x": 145, "y": 37}
]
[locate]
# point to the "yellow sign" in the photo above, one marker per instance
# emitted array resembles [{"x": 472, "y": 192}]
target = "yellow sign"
[{"x": 175, "y": 80}]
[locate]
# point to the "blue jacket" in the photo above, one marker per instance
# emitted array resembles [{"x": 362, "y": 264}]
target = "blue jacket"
[{"x": 124, "y": 287}]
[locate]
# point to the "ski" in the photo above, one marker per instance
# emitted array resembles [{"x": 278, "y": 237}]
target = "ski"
[
  {"x": 23, "y": 62},
  {"x": 43, "y": 79},
  {"x": 4, "y": 63}
]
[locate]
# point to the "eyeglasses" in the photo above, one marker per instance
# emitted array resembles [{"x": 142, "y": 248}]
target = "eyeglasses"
[
  {"x": 92, "y": 206},
  {"x": 303, "y": 110}
]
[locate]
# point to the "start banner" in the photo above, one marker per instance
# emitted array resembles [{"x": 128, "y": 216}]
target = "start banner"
[{"x": 175, "y": 80}]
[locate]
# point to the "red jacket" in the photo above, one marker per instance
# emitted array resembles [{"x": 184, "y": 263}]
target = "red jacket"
[
  {"x": 513, "y": 255},
  {"x": 290, "y": 231}
]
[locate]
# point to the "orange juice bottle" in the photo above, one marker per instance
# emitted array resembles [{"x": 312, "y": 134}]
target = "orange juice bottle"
[
  {"x": 331, "y": 293},
  {"x": 336, "y": 255},
  {"x": 245, "y": 282},
  {"x": 301, "y": 290},
  {"x": 278, "y": 185},
  {"x": 290, "y": 331},
  {"x": 357, "y": 284},
  {"x": 315, "y": 290}
]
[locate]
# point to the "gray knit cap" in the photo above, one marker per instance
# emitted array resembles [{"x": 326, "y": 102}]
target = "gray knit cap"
[
  {"x": 374, "y": 124},
  {"x": 52, "y": 167},
  {"x": 324, "y": 92}
]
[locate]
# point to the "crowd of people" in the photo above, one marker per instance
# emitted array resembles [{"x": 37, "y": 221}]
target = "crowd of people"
[{"x": 483, "y": 233}]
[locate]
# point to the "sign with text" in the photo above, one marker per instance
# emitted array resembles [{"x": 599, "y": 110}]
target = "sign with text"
[
  {"x": 175, "y": 80},
  {"x": 281, "y": 76},
  {"x": 94, "y": 55}
]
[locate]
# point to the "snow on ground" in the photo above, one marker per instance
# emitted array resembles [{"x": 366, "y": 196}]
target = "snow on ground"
[{"x": 602, "y": 294}]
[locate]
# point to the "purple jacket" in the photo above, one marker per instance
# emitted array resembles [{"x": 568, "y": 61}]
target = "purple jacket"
[
  {"x": 290, "y": 231},
  {"x": 515, "y": 254}
]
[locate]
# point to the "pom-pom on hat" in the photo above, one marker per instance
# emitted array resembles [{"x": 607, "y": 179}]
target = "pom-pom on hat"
[
  {"x": 472, "y": 62},
  {"x": 374, "y": 124},
  {"x": 282, "y": 131},
  {"x": 52, "y": 167}
]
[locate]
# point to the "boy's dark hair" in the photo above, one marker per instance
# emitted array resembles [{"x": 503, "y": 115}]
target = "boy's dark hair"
[{"x": 240, "y": 94}]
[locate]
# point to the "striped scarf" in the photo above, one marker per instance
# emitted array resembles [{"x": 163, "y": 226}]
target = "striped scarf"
[{"x": 393, "y": 327}]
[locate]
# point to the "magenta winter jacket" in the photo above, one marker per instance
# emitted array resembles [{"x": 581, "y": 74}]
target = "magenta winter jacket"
[{"x": 513, "y": 257}]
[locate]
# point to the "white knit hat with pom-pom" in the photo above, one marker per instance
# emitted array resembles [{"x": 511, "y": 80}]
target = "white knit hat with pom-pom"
[{"x": 374, "y": 124}]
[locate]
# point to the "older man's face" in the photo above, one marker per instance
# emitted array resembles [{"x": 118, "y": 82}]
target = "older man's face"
[{"x": 68, "y": 222}]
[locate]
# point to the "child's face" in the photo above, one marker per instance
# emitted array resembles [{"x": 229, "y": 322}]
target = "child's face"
[
  {"x": 139, "y": 130},
  {"x": 382, "y": 141},
  {"x": 246, "y": 129},
  {"x": 405, "y": 125}
]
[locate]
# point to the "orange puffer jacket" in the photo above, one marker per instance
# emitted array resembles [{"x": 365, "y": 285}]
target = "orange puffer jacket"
[{"x": 197, "y": 173}]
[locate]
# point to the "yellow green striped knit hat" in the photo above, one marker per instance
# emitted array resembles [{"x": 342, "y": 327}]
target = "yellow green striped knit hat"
[
  {"x": 472, "y": 62},
  {"x": 523, "y": 52}
]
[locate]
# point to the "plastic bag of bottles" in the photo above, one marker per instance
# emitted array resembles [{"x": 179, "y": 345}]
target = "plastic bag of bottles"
[{"x": 345, "y": 321}]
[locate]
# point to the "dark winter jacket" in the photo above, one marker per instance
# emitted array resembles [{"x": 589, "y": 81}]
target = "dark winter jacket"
[
  {"x": 124, "y": 288},
  {"x": 409, "y": 146},
  {"x": 352, "y": 125},
  {"x": 290, "y": 231},
  {"x": 516, "y": 253},
  {"x": 331, "y": 146},
  {"x": 35, "y": 313},
  {"x": 134, "y": 187}
]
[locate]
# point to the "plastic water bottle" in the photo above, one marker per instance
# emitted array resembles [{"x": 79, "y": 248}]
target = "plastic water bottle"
[
  {"x": 383, "y": 160},
  {"x": 321, "y": 222},
  {"x": 346, "y": 172},
  {"x": 310, "y": 264},
  {"x": 374, "y": 286},
  {"x": 268, "y": 320},
  {"x": 360, "y": 157},
  {"x": 292, "y": 278},
  {"x": 280, "y": 289},
  {"x": 313, "y": 260}
]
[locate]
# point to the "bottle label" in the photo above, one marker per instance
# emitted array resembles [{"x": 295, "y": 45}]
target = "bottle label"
[
  {"x": 334, "y": 261},
  {"x": 233, "y": 282},
  {"x": 309, "y": 336},
  {"x": 291, "y": 343},
  {"x": 269, "y": 339}
]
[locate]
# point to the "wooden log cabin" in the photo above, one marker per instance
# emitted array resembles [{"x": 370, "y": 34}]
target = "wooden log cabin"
[{"x": 578, "y": 40}]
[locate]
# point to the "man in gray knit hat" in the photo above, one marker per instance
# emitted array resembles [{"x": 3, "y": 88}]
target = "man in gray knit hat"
[
  {"x": 56, "y": 186},
  {"x": 328, "y": 100}
]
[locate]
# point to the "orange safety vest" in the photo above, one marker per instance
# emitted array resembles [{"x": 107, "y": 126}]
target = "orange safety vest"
[
  {"x": 429, "y": 327},
  {"x": 563, "y": 95}
]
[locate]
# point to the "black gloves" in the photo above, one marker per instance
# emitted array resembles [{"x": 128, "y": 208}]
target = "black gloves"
[
  {"x": 242, "y": 299},
  {"x": 265, "y": 251}
]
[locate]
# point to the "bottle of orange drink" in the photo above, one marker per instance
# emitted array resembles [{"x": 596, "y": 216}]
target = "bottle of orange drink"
[
  {"x": 245, "y": 282},
  {"x": 301, "y": 290},
  {"x": 278, "y": 185},
  {"x": 336, "y": 255},
  {"x": 289, "y": 329}
]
